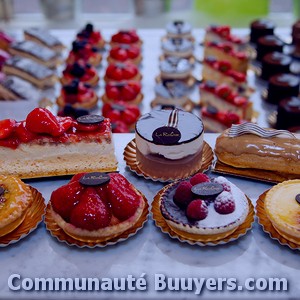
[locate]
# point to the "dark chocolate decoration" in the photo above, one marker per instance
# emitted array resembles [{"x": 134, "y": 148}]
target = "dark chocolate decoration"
[
  {"x": 168, "y": 106},
  {"x": 90, "y": 119},
  {"x": 77, "y": 70},
  {"x": 124, "y": 31},
  {"x": 89, "y": 27},
  {"x": 212, "y": 110},
  {"x": 72, "y": 88},
  {"x": 207, "y": 190},
  {"x": 2, "y": 190},
  {"x": 166, "y": 135},
  {"x": 298, "y": 198},
  {"x": 118, "y": 107},
  {"x": 94, "y": 179}
]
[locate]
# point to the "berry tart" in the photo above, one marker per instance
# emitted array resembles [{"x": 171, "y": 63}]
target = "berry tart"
[
  {"x": 96, "y": 207},
  {"x": 78, "y": 94},
  {"x": 122, "y": 71},
  {"x": 5, "y": 40},
  {"x": 178, "y": 47},
  {"x": 259, "y": 28},
  {"x": 125, "y": 52},
  {"x": 82, "y": 71},
  {"x": 179, "y": 29},
  {"x": 128, "y": 37},
  {"x": 223, "y": 98},
  {"x": 45, "y": 145},
  {"x": 82, "y": 50},
  {"x": 202, "y": 208},
  {"x": 94, "y": 38},
  {"x": 15, "y": 199},
  {"x": 127, "y": 91},
  {"x": 121, "y": 111}
]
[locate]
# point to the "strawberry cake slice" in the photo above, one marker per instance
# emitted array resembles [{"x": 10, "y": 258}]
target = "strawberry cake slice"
[
  {"x": 45, "y": 145},
  {"x": 96, "y": 206}
]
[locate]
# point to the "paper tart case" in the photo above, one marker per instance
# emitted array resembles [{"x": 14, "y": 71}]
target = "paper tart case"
[
  {"x": 268, "y": 227},
  {"x": 200, "y": 240},
  {"x": 33, "y": 218},
  {"x": 132, "y": 164},
  {"x": 63, "y": 237}
]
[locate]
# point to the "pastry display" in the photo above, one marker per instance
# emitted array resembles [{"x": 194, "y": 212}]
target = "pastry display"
[
  {"x": 282, "y": 86},
  {"x": 90, "y": 35},
  {"x": 81, "y": 71},
  {"x": 224, "y": 51},
  {"x": 175, "y": 68},
  {"x": 124, "y": 52},
  {"x": 177, "y": 47},
  {"x": 121, "y": 111},
  {"x": 127, "y": 91},
  {"x": 36, "y": 52},
  {"x": 78, "y": 94},
  {"x": 275, "y": 63},
  {"x": 217, "y": 121},
  {"x": 259, "y": 28},
  {"x": 129, "y": 37},
  {"x": 288, "y": 113},
  {"x": 45, "y": 145},
  {"x": 267, "y": 44},
  {"x": 255, "y": 149},
  {"x": 44, "y": 38},
  {"x": 96, "y": 206},
  {"x": 282, "y": 207},
  {"x": 169, "y": 143},
  {"x": 224, "y": 98},
  {"x": 204, "y": 207},
  {"x": 82, "y": 50},
  {"x": 179, "y": 29},
  {"x": 122, "y": 71},
  {"x": 35, "y": 73},
  {"x": 5, "y": 40},
  {"x": 15, "y": 198}
]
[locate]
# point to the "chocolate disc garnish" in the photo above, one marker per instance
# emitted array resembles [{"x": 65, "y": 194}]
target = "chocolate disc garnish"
[
  {"x": 298, "y": 198},
  {"x": 2, "y": 190},
  {"x": 212, "y": 110},
  {"x": 207, "y": 190},
  {"x": 90, "y": 119},
  {"x": 118, "y": 107},
  {"x": 168, "y": 106},
  {"x": 94, "y": 179}
]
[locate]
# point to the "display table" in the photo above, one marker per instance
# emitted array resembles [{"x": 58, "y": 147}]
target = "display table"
[{"x": 151, "y": 252}]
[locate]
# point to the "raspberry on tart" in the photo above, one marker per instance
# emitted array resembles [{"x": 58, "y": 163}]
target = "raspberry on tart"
[
  {"x": 124, "y": 52},
  {"x": 78, "y": 94},
  {"x": 129, "y": 37},
  {"x": 96, "y": 206},
  {"x": 82, "y": 50},
  {"x": 127, "y": 91},
  {"x": 82, "y": 71},
  {"x": 122, "y": 71},
  {"x": 93, "y": 37}
]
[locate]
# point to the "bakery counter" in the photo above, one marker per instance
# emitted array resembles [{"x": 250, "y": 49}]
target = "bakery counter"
[{"x": 149, "y": 252}]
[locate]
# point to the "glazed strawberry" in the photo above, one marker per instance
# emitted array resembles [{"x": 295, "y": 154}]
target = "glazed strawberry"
[
  {"x": 65, "y": 198},
  {"x": 91, "y": 213},
  {"x": 6, "y": 128},
  {"x": 197, "y": 210},
  {"x": 113, "y": 115},
  {"x": 224, "y": 204},
  {"x": 224, "y": 66},
  {"x": 223, "y": 91},
  {"x": 128, "y": 117},
  {"x": 119, "y": 127},
  {"x": 125, "y": 37},
  {"x": 65, "y": 123},
  {"x": 124, "y": 52},
  {"x": 124, "y": 90},
  {"x": 121, "y": 71},
  {"x": 183, "y": 194},
  {"x": 76, "y": 177},
  {"x": 128, "y": 93},
  {"x": 23, "y": 134},
  {"x": 199, "y": 178},
  {"x": 112, "y": 92}
]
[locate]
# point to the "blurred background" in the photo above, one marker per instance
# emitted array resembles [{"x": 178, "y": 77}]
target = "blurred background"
[{"x": 143, "y": 13}]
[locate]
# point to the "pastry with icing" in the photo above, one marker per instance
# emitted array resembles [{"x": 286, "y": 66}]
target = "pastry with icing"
[
  {"x": 178, "y": 47},
  {"x": 179, "y": 29},
  {"x": 267, "y": 44},
  {"x": 175, "y": 68},
  {"x": 259, "y": 28}
]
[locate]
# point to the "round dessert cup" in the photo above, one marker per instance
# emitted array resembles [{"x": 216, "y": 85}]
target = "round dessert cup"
[
  {"x": 274, "y": 232},
  {"x": 135, "y": 61},
  {"x": 137, "y": 100},
  {"x": 27, "y": 223},
  {"x": 187, "y": 105},
  {"x": 65, "y": 236},
  {"x": 137, "y": 77},
  {"x": 188, "y": 79},
  {"x": 91, "y": 103},
  {"x": 199, "y": 239},
  {"x": 93, "y": 81},
  {"x": 132, "y": 163}
]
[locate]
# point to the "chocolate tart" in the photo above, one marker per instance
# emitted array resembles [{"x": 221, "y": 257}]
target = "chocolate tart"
[
  {"x": 288, "y": 113},
  {"x": 267, "y": 44},
  {"x": 259, "y": 28}
]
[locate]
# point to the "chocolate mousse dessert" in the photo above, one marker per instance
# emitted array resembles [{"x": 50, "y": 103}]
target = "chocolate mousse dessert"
[
  {"x": 267, "y": 44},
  {"x": 296, "y": 38},
  {"x": 288, "y": 113},
  {"x": 259, "y": 28}
]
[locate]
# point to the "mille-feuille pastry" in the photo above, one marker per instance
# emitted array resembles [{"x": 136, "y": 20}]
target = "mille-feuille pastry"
[
  {"x": 5, "y": 40},
  {"x": 92, "y": 36},
  {"x": 122, "y": 71},
  {"x": 178, "y": 47},
  {"x": 128, "y": 37},
  {"x": 35, "y": 52},
  {"x": 44, "y": 38},
  {"x": 35, "y": 73},
  {"x": 288, "y": 113},
  {"x": 4, "y": 56},
  {"x": 179, "y": 29},
  {"x": 259, "y": 28},
  {"x": 15, "y": 199},
  {"x": 123, "y": 52},
  {"x": 278, "y": 154},
  {"x": 175, "y": 68},
  {"x": 45, "y": 145}
]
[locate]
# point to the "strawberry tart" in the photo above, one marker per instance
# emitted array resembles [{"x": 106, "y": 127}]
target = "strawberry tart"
[
  {"x": 90, "y": 35},
  {"x": 96, "y": 206},
  {"x": 122, "y": 71},
  {"x": 45, "y": 145},
  {"x": 125, "y": 52},
  {"x": 129, "y": 37}
]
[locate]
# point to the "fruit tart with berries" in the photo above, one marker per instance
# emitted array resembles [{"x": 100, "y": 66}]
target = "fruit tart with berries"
[
  {"x": 97, "y": 207},
  {"x": 121, "y": 111},
  {"x": 203, "y": 208},
  {"x": 82, "y": 50},
  {"x": 82, "y": 71},
  {"x": 128, "y": 37},
  {"x": 78, "y": 94},
  {"x": 45, "y": 145},
  {"x": 127, "y": 91},
  {"x": 90, "y": 35},
  {"x": 122, "y": 71},
  {"x": 124, "y": 52}
]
